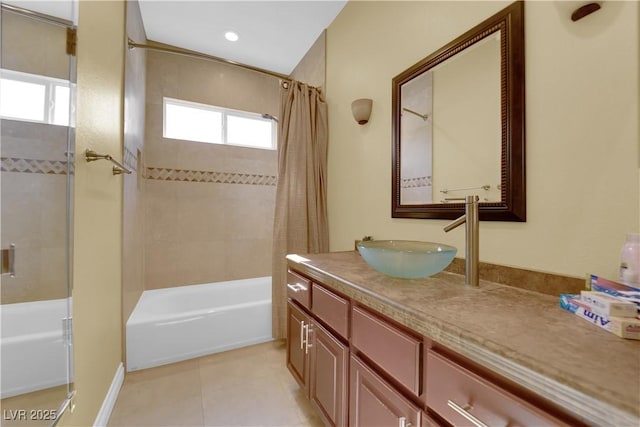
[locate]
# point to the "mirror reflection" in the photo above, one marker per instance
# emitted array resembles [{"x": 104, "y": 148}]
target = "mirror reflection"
[{"x": 451, "y": 113}]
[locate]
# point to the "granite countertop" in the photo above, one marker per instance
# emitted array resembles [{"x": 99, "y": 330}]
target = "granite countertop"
[{"x": 522, "y": 335}]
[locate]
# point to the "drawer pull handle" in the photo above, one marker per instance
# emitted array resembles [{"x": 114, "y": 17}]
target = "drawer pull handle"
[
  {"x": 402, "y": 422},
  {"x": 296, "y": 288},
  {"x": 302, "y": 335},
  {"x": 464, "y": 411},
  {"x": 306, "y": 338}
]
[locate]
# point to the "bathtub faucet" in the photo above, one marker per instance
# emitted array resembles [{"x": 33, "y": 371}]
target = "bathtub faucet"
[{"x": 471, "y": 247}]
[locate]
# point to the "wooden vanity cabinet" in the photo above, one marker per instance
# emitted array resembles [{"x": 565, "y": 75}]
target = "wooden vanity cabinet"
[
  {"x": 317, "y": 357},
  {"x": 362, "y": 369}
]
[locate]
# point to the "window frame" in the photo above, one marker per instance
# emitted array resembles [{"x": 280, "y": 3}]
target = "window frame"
[
  {"x": 225, "y": 113},
  {"x": 49, "y": 105}
]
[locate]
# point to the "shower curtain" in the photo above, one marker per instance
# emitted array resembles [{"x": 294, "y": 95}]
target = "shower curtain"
[{"x": 300, "y": 223}]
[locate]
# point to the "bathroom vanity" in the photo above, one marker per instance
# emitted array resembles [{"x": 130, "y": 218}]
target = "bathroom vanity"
[{"x": 368, "y": 349}]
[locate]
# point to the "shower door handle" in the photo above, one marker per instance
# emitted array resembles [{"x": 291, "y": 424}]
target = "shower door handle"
[{"x": 9, "y": 260}]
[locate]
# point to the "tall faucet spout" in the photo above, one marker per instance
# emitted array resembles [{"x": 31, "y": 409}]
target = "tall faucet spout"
[{"x": 472, "y": 236}]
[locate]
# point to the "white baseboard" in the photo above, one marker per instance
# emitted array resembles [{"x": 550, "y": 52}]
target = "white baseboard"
[{"x": 110, "y": 399}]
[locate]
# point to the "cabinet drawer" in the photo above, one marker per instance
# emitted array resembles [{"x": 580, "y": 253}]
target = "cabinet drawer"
[
  {"x": 299, "y": 288},
  {"x": 331, "y": 308},
  {"x": 373, "y": 402},
  {"x": 453, "y": 391},
  {"x": 393, "y": 350}
]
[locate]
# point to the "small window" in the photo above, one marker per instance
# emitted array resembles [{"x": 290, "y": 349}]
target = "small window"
[
  {"x": 34, "y": 98},
  {"x": 216, "y": 125}
]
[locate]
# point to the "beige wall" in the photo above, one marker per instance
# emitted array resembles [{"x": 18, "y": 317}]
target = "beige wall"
[
  {"x": 312, "y": 67},
  {"x": 208, "y": 208},
  {"x": 582, "y": 130},
  {"x": 132, "y": 205},
  {"x": 97, "y": 259}
]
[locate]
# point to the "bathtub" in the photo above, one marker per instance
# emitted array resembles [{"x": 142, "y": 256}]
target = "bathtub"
[
  {"x": 34, "y": 355},
  {"x": 173, "y": 324}
]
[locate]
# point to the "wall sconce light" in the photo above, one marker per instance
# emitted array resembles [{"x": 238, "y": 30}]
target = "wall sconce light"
[
  {"x": 584, "y": 10},
  {"x": 361, "y": 109}
]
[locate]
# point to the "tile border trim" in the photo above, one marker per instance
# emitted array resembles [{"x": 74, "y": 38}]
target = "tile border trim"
[
  {"x": 187, "y": 175},
  {"x": 417, "y": 182},
  {"x": 43, "y": 166}
]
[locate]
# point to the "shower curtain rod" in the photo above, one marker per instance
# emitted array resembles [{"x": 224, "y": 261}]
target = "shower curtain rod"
[
  {"x": 37, "y": 15},
  {"x": 178, "y": 51}
]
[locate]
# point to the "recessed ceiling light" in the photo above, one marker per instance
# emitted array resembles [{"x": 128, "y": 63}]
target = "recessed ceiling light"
[{"x": 232, "y": 36}]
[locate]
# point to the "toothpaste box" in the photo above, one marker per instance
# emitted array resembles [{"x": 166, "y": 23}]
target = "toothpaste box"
[
  {"x": 624, "y": 327},
  {"x": 621, "y": 291},
  {"x": 607, "y": 305}
]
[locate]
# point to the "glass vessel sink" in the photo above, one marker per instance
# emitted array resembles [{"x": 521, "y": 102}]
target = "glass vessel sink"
[{"x": 406, "y": 259}]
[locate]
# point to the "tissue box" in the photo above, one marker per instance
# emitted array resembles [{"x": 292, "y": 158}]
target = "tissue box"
[
  {"x": 624, "y": 327},
  {"x": 608, "y": 305}
]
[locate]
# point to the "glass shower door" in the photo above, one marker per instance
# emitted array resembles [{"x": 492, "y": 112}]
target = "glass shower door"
[{"x": 37, "y": 78}]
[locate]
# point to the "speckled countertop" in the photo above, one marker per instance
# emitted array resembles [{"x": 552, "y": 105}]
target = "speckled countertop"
[{"x": 522, "y": 335}]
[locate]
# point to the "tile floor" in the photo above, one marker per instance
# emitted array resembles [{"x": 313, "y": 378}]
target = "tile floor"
[
  {"x": 32, "y": 409},
  {"x": 250, "y": 386}
]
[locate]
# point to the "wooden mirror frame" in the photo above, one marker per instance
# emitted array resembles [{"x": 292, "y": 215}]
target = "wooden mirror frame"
[{"x": 512, "y": 205}]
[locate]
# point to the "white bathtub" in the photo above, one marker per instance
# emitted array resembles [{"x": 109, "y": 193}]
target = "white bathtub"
[
  {"x": 34, "y": 356},
  {"x": 173, "y": 324}
]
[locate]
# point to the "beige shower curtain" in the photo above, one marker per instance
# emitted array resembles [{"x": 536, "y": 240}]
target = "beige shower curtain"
[{"x": 300, "y": 224}]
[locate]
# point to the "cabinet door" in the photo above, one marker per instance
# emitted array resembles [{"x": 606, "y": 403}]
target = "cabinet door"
[
  {"x": 328, "y": 375},
  {"x": 297, "y": 353},
  {"x": 373, "y": 403}
]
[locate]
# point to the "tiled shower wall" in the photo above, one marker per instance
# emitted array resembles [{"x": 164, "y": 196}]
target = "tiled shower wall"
[
  {"x": 34, "y": 170},
  {"x": 208, "y": 210},
  {"x": 34, "y": 181},
  {"x": 132, "y": 203}
]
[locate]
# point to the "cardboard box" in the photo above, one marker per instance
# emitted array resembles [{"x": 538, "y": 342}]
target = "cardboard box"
[
  {"x": 619, "y": 290},
  {"x": 608, "y": 305},
  {"x": 624, "y": 327}
]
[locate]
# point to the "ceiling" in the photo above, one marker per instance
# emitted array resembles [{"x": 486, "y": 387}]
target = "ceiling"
[{"x": 274, "y": 34}]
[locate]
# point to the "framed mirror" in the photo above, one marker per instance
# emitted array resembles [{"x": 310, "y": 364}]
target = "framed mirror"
[{"x": 459, "y": 125}]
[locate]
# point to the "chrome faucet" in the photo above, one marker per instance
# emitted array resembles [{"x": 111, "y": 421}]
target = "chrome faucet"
[{"x": 471, "y": 248}]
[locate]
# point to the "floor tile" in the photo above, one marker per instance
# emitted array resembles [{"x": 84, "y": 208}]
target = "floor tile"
[
  {"x": 250, "y": 386},
  {"x": 164, "y": 396},
  {"x": 32, "y": 409}
]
